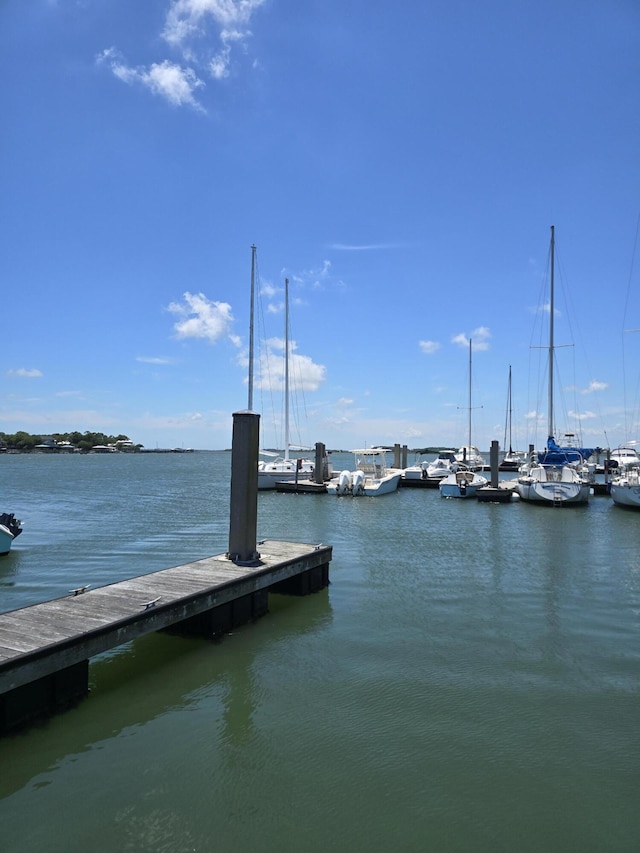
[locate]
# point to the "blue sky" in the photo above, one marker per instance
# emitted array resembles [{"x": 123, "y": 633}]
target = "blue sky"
[{"x": 400, "y": 163}]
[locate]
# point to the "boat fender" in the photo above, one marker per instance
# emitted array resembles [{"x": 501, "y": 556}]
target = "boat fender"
[{"x": 424, "y": 473}]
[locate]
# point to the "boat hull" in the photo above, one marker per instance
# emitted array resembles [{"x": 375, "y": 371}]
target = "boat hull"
[
  {"x": 554, "y": 493},
  {"x": 369, "y": 487},
  {"x": 625, "y": 495},
  {"x": 462, "y": 484},
  {"x": 271, "y": 473},
  {"x": 6, "y": 538}
]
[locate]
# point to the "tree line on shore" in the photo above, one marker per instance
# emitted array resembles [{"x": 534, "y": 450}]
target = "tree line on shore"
[{"x": 26, "y": 442}]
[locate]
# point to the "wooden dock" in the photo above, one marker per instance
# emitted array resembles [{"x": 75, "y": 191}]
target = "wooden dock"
[{"x": 45, "y": 649}]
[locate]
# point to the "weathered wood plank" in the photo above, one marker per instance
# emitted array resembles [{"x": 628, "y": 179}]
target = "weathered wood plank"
[{"x": 52, "y": 635}]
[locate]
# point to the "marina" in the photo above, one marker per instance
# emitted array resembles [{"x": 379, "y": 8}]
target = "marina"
[{"x": 469, "y": 680}]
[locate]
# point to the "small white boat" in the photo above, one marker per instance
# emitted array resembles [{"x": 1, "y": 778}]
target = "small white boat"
[
  {"x": 624, "y": 456},
  {"x": 370, "y": 477},
  {"x": 418, "y": 471},
  {"x": 10, "y": 528},
  {"x": 462, "y": 484},
  {"x": 444, "y": 464},
  {"x": 471, "y": 458},
  {"x": 625, "y": 487},
  {"x": 283, "y": 469}
]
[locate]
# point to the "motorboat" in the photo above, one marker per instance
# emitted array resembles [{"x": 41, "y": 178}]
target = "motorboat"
[
  {"x": 444, "y": 464},
  {"x": 462, "y": 484},
  {"x": 417, "y": 471},
  {"x": 370, "y": 476},
  {"x": 624, "y": 456},
  {"x": 10, "y": 529},
  {"x": 471, "y": 458},
  {"x": 435, "y": 469}
]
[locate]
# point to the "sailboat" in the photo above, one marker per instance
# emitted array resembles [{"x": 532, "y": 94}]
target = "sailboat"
[
  {"x": 465, "y": 481},
  {"x": 512, "y": 459},
  {"x": 557, "y": 475},
  {"x": 281, "y": 468}
]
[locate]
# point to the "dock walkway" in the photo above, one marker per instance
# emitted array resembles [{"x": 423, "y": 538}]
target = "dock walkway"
[{"x": 45, "y": 648}]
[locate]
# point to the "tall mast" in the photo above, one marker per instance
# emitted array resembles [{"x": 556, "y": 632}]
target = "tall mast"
[
  {"x": 469, "y": 394},
  {"x": 507, "y": 419},
  {"x": 253, "y": 284},
  {"x": 551, "y": 319},
  {"x": 286, "y": 368}
]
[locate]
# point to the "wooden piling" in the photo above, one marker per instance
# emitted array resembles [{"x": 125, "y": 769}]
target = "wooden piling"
[{"x": 243, "y": 518}]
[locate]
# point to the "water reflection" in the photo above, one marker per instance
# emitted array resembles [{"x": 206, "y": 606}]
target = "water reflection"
[{"x": 163, "y": 674}]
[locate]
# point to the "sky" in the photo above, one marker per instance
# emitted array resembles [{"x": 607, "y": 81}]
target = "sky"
[{"x": 399, "y": 163}]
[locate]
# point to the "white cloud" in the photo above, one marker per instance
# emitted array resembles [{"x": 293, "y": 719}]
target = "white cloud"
[
  {"x": 25, "y": 373},
  {"x": 154, "y": 359},
  {"x": 594, "y": 385},
  {"x": 304, "y": 373},
  {"x": 364, "y": 247},
  {"x": 201, "y": 318},
  {"x": 166, "y": 79},
  {"x": 479, "y": 337},
  {"x": 429, "y": 346},
  {"x": 582, "y": 416},
  {"x": 186, "y": 19},
  {"x": 219, "y": 64},
  {"x": 187, "y": 22}
]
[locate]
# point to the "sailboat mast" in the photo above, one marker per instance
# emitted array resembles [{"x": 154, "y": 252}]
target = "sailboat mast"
[
  {"x": 507, "y": 422},
  {"x": 253, "y": 284},
  {"x": 551, "y": 342},
  {"x": 469, "y": 442},
  {"x": 286, "y": 368}
]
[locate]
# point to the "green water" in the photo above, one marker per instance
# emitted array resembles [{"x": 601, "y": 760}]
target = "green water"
[{"x": 468, "y": 682}]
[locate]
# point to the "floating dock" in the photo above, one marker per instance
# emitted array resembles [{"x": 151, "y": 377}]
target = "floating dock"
[{"x": 45, "y": 649}]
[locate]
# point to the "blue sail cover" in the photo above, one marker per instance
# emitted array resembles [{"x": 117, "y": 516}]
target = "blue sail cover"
[{"x": 556, "y": 455}]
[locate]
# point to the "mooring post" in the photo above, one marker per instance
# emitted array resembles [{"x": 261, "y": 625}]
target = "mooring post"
[
  {"x": 318, "y": 468},
  {"x": 243, "y": 517},
  {"x": 405, "y": 452},
  {"x": 396, "y": 455},
  {"x": 493, "y": 462}
]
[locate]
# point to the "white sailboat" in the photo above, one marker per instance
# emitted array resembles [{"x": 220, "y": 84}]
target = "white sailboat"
[
  {"x": 625, "y": 487},
  {"x": 558, "y": 475},
  {"x": 512, "y": 459},
  {"x": 280, "y": 468},
  {"x": 465, "y": 481}
]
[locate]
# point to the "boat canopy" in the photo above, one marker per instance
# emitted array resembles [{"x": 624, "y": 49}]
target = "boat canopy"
[{"x": 557, "y": 455}]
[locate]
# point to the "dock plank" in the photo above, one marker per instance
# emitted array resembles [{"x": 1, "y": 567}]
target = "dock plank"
[{"x": 59, "y": 633}]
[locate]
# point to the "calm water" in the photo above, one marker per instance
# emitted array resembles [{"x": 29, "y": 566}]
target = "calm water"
[{"x": 468, "y": 682}]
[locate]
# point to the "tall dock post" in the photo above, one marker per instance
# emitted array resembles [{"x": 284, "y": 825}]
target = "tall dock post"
[
  {"x": 243, "y": 521},
  {"x": 318, "y": 468},
  {"x": 493, "y": 463}
]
